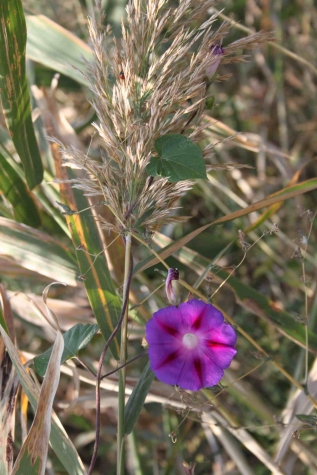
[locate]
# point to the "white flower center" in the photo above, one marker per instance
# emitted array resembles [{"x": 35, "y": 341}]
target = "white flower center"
[{"x": 190, "y": 341}]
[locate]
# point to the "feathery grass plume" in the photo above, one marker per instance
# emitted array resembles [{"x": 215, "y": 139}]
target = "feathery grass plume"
[{"x": 151, "y": 83}]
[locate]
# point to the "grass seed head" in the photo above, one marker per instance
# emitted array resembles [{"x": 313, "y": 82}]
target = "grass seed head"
[{"x": 144, "y": 86}]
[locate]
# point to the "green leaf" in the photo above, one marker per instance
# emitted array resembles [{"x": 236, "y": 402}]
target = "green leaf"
[
  {"x": 59, "y": 440},
  {"x": 14, "y": 89},
  {"x": 38, "y": 252},
  {"x": 310, "y": 420},
  {"x": 137, "y": 398},
  {"x": 15, "y": 190},
  {"x": 179, "y": 159},
  {"x": 75, "y": 339},
  {"x": 56, "y": 48}
]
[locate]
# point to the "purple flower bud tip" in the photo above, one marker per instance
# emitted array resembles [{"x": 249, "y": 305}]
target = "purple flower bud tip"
[
  {"x": 190, "y": 345},
  {"x": 172, "y": 274},
  {"x": 217, "y": 52}
]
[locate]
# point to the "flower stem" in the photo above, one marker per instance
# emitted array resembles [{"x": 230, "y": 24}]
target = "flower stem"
[{"x": 123, "y": 359}]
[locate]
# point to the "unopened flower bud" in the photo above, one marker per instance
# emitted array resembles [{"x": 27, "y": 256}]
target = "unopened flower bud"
[
  {"x": 189, "y": 469},
  {"x": 216, "y": 54},
  {"x": 173, "y": 274}
]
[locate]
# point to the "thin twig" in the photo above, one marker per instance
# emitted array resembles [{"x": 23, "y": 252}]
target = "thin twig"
[
  {"x": 192, "y": 117},
  {"x": 86, "y": 367},
  {"x": 148, "y": 296},
  {"x": 306, "y": 303},
  {"x": 102, "y": 356},
  {"x": 143, "y": 353}
]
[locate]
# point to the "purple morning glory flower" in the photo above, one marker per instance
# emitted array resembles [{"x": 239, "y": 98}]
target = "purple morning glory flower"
[{"x": 190, "y": 345}]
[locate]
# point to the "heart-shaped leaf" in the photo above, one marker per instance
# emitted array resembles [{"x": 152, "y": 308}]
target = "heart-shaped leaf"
[
  {"x": 179, "y": 159},
  {"x": 75, "y": 339}
]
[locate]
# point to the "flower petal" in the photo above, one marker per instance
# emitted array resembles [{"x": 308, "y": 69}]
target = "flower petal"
[
  {"x": 199, "y": 372},
  {"x": 167, "y": 365},
  {"x": 219, "y": 354},
  {"x": 164, "y": 327},
  {"x": 192, "y": 312},
  {"x": 224, "y": 334},
  {"x": 210, "y": 320}
]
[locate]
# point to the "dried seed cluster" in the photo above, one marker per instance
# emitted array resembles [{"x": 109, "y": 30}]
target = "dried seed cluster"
[{"x": 146, "y": 86}]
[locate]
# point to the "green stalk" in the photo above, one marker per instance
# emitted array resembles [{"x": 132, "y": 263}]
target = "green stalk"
[{"x": 123, "y": 359}]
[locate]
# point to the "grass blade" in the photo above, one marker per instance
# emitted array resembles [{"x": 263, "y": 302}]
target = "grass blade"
[
  {"x": 9, "y": 385},
  {"x": 86, "y": 233},
  {"x": 59, "y": 440},
  {"x": 137, "y": 398},
  {"x": 92, "y": 261},
  {"x": 99, "y": 286},
  {"x": 33, "y": 454},
  {"x": 56, "y": 48},
  {"x": 37, "y": 251},
  {"x": 14, "y": 89},
  {"x": 15, "y": 190},
  {"x": 9, "y": 388},
  {"x": 282, "y": 195}
]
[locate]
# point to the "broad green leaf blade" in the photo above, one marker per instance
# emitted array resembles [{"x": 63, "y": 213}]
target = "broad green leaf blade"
[
  {"x": 248, "y": 298},
  {"x": 137, "y": 398},
  {"x": 179, "y": 159},
  {"x": 59, "y": 440},
  {"x": 282, "y": 195},
  {"x": 15, "y": 190},
  {"x": 14, "y": 89},
  {"x": 56, "y": 48},
  {"x": 75, "y": 339},
  {"x": 37, "y": 251},
  {"x": 33, "y": 454}
]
